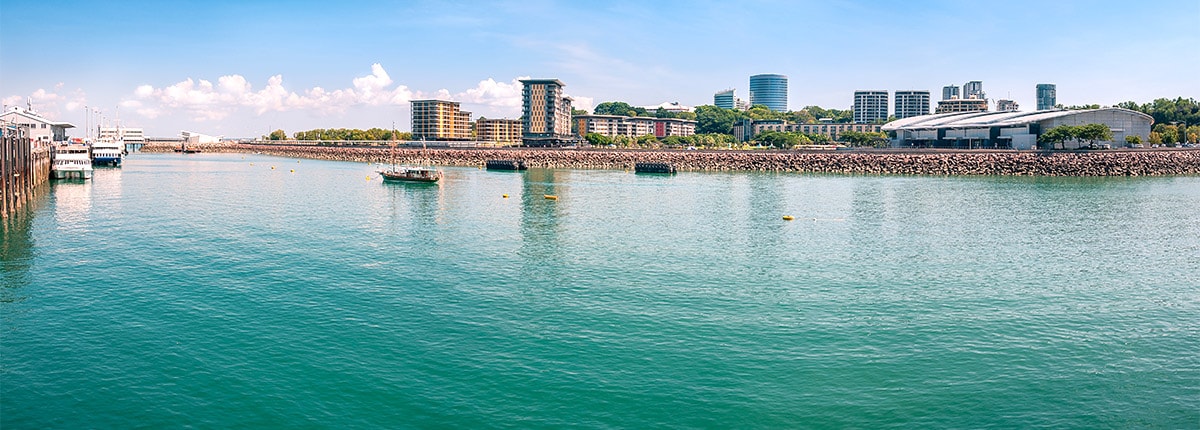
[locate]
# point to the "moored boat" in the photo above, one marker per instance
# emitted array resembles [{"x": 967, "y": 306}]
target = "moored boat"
[
  {"x": 107, "y": 152},
  {"x": 411, "y": 174},
  {"x": 72, "y": 161}
]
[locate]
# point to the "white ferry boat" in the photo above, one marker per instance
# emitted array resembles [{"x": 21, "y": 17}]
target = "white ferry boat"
[
  {"x": 72, "y": 161},
  {"x": 107, "y": 152}
]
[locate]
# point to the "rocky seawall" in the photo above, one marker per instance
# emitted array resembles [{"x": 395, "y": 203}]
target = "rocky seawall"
[{"x": 932, "y": 162}]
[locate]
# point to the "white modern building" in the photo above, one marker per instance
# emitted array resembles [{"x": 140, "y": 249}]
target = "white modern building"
[
  {"x": 672, "y": 107},
  {"x": 1011, "y": 130},
  {"x": 125, "y": 134},
  {"x": 193, "y": 138},
  {"x": 40, "y": 128}
]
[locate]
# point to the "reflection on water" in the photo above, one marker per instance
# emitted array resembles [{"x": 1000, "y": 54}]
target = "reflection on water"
[
  {"x": 17, "y": 249},
  {"x": 540, "y": 227},
  {"x": 72, "y": 202}
]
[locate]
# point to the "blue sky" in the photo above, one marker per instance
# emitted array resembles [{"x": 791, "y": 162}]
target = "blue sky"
[{"x": 243, "y": 68}]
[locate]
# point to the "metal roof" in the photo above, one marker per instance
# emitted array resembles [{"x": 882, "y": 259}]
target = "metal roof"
[
  {"x": 988, "y": 119},
  {"x": 33, "y": 116}
]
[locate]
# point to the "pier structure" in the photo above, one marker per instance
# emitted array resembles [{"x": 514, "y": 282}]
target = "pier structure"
[{"x": 24, "y": 166}]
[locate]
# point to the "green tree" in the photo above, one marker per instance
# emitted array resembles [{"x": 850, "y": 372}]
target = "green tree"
[
  {"x": 1156, "y": 138},
  {"x": 663, "y": 113},
  {"x": 859, "y": 138},
  {"x": 1092, "y": 133},
  {"x": 278, "y": 135},
  {"x": 690, "y": 116},
  {"x": 761, "y": 112},
  {"x": 1169, "y": 133},
  {"x": 1057, "y": 136},
  {"x": 597, "y": 139},
  {"x": 712, "y": 119},
  {"x": 676, "y": 141},
  {"x": 612, "y": 108},
  {"x": 647, "y": 141},
  {"x": 1133, "y": 140}
]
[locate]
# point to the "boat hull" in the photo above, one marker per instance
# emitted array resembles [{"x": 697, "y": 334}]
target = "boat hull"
[
  {"x": 107, "y": 161},
  {"x": 405, "y": 178},
  {"x": 72, "y": 174}
]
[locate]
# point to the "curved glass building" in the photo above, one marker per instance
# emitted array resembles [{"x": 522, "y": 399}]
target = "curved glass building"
[{"x": 769, "y": 90}]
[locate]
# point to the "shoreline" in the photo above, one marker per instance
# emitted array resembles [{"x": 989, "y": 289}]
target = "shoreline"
[{"x": 1155, "y": 162}]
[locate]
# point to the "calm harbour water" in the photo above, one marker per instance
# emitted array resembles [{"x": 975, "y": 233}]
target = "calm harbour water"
[{"x": 205, "y": 291}]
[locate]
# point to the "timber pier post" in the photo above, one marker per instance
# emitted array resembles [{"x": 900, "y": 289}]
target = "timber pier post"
[{"x": 24, "y": 166}]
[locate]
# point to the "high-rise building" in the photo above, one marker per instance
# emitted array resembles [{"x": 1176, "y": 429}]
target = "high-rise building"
[
  {"x": 725, "y": 99},
  {"x": 546, "y": 119},
  {"x": 1007, "y": 106},
  {"x": 950, "y": 92},
  {"x": 1047, "y": 96},
  {"x": 870, "y": 106},
  {"x": 769, "y": 90},
  {"x": 439, "y": 120},
  {"x": 911, "y": 103},
  {"x": 973, "y": 89}
]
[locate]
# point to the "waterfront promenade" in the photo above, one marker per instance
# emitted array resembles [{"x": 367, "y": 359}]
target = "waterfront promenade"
[{"x": 911, "y": 162}]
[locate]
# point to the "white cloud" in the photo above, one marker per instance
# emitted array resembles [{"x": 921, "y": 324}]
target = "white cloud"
[
  {"x": 491, "y": 93},
  {"x": 206, "y": 101},
  {"x": 580, "y": 102},
  {"x": 48, "y": 103}
]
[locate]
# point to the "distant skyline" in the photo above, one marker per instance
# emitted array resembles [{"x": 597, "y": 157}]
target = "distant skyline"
[{"x": 242, "y": 69}]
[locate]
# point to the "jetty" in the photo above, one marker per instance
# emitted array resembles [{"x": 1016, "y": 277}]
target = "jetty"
[{"x": 24, "y": 167}]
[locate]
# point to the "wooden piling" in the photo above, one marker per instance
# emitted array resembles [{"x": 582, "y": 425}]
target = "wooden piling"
[{"x": 24, "y": 166}]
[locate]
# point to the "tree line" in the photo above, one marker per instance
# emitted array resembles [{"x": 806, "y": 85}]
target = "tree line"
[{"x": 341, "y": 134}]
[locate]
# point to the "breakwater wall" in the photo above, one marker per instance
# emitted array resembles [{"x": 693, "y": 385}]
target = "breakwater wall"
[
  {"x": 1024, "y": 163},
  {"x": 24, "y": 168}
]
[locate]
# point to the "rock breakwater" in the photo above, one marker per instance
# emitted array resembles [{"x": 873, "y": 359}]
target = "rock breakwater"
[{"x": 1027, "y": 163}]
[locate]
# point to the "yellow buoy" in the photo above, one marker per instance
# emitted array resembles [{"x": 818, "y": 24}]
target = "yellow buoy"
[
  {"x": 506, "y": 196},
  {"x": 297, "y": 161},
  {"x": 251, "y": 164},
  {"x": 272, "y": 167},
  {"x": 788, "y": 218},
  {"x": 550, "y": 197},
  {"x": 292, "y": 170},
  {"x": 368, "y": 178}
]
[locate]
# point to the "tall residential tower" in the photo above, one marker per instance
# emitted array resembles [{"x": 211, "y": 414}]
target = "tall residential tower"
[
  {"x": 973, "y": 89},
  {"x": 870, "y": 106},
  {"x": 950, "y": 92},
  {"x": 546, "y": 113},
  {"x": 911, "y": 103}
]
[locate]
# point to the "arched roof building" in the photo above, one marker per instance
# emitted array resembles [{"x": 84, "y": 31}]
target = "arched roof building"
[{"x": 1010, "y": 130}]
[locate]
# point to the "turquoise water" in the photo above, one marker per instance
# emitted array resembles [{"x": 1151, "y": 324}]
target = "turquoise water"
[{"x": 208, "y": 292}]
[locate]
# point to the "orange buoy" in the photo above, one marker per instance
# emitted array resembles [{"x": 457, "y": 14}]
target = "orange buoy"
[
  {"x": 550, "y": 197},
  {"x": 788, "y": 218}
]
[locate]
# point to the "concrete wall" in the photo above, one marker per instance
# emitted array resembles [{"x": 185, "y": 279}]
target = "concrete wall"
[{"x": 1122, "y": 122}]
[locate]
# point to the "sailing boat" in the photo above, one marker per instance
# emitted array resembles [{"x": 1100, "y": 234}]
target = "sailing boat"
[{"x": 408, "y": 173}]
